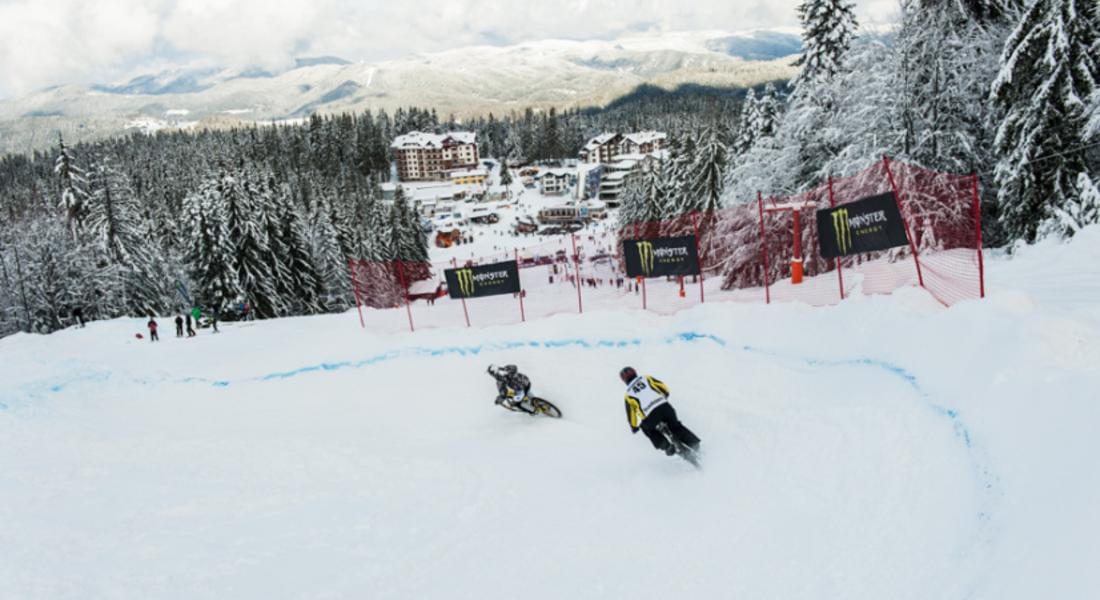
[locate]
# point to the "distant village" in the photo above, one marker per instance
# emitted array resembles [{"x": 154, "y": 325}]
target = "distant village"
[{"x": 453, "y": 186}]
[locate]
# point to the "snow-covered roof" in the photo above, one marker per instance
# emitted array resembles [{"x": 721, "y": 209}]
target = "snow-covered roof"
[
  {"x": 600, "y": 140},
  {"x": 470, "y": 173},
  {"x": 617, "y": 175},
  {"x": 646, "y": 137},
  {"x": 553, "y": 172},
  {"x": 419, "y": 139}
]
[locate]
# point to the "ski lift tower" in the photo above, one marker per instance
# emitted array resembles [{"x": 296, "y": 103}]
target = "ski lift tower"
[{"x": 795, "y": 208}]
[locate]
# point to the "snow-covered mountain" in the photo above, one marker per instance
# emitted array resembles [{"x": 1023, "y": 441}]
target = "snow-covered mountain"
[{"x": 464, "y": 82}]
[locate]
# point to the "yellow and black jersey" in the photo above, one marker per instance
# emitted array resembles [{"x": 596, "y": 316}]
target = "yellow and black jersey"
[{"x": 643, "y": 394}]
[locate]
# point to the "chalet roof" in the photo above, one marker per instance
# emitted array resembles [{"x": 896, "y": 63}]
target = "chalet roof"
[
  {"x": 600, "y": 140},
  {"x": 559, "y": 173},
  {"x": 646, "y": 137},
  {"x": 419, "y": 139}
]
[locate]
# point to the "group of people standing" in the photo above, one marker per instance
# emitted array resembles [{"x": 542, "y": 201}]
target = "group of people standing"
[{"x": 184, "y": 324}]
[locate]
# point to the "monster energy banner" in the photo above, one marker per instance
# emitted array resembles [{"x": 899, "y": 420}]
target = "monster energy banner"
[
  {"x": 661, "y": 256},
  {"x": 484, "y": 280},
  {"x": 866, "y": 225}
]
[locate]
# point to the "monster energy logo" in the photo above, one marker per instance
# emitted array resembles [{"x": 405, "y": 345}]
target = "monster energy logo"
[
  {"x": 646, "y": 256},
  {"x": 465, "y": 279},
  {"x": 843, "y": 230}
]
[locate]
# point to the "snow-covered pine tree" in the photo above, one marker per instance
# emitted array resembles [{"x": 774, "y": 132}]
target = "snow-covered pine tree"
[
  {"x": 631, "y": 208},
  {"x": 115, "y": 228},
  {"x": 297, "y": 284},
  {"x": 708, "y": 173},
  {"x": 948, "y": 55},
  {"x": 505, "y": 175},
  {"x": 1092, "y": 129},
  {"x": 768, "y": 113},
  {"x": 707, "y": 182},
  {"x": 827, "y": 30},
  {"x": 245, "y": 218},
  {"x": 1080, "y": 211},
  {"x": 72, "y": 182},
  {"x": 332, "y": 263},
  {"x": 211, "y": 254},
  {"x": 746, "y": 129},
  {"x": 1048, "y": 70},
  {"x": 408, "y": 240}
]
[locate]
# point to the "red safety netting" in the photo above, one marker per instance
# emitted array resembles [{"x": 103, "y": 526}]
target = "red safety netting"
[{"x": 745, "y": 254}]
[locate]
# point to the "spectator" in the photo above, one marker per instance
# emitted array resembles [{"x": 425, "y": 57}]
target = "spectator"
[
  {"x": 152, "y": 324},
  {"x": 78, "y": 313},
  {"x": 179, "y": 326}
]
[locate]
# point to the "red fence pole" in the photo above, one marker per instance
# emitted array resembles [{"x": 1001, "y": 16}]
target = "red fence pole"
[
  {"x": 577, "y": 270},
  {"x": 522, "y": 316},
  {"x": 355, "y": 291},
  {"x": 905, "y": 220},
  {"x": 454, "y": 263},
  {"x": 405, "y": 292},
  {"x": 698, "y": 255},
  {"x": 839, "y": 267},
  {"x": 763, "y": 246},
  {"x": 978, "y": 230}
]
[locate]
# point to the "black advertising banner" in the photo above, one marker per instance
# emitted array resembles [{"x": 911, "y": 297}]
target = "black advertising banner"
[
  {"x": 867, "y": 225},
  {"x": 661, "y": 256},
  {"x": 483, "y": 280}
]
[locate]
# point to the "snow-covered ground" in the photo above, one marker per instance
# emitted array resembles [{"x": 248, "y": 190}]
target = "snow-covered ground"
[{"x": 885, "y": 447}]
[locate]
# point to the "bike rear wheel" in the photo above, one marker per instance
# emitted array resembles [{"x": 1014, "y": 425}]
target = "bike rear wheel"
[
  {"x": 683, "y": 450},
  {"x": 545, "y": 407}
]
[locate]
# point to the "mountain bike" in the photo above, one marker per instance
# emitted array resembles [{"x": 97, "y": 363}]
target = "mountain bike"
[{"x": 681, "y": 448}]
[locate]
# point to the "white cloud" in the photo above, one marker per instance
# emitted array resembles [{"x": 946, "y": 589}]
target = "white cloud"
[{"x": 46, "y": 42}]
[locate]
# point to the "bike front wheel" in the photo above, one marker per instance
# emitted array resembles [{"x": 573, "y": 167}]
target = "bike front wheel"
[{"x": 545, "y": 407}]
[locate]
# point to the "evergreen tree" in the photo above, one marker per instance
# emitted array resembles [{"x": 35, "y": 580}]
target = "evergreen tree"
[
  {"x": 211, "y": 255},
  {"x": 506, "y": 176},
  {"x": 252, "y": 253},
  {"x": 1048, "y": 69},
  {"x": 1080, "y": 211},
  {"x": 746, "y": 130},
  {"x": 827, "y": 30},
  {"x": 708, "y": 174},
  {"x": 332, "y": 263},
  {"x": 768, "y": 112},
  {"x": 71, "y": 181},
  {"x": 119, "y": 237}
]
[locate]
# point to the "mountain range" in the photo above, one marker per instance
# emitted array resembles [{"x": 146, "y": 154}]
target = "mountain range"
[{"x": 464, "y": 82}]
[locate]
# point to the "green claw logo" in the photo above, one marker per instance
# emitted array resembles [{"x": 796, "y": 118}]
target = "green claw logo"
[
  {"x": 843, "y": 229},
  {"x": 646, "y": 256},
  {"x": 465, "y": 279}
]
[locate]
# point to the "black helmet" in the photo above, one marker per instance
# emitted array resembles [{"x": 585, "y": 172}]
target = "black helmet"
[
  {"x": 509, "y": 369},
  {"x": 628, "y": 374}
]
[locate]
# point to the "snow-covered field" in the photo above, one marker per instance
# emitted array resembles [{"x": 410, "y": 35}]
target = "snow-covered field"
[{"x": 882, "y": 448}]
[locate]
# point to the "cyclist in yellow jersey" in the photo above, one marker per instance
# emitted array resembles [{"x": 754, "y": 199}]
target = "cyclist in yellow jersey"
[{"x": 647, "y": 406}]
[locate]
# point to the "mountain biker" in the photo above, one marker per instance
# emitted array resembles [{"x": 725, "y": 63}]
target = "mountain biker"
[
  {"x": 511, "y": 383},
  {"x": 647, "y": 407}
]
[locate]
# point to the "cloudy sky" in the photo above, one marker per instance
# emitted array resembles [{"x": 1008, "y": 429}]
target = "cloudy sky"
[{"x": 51, "y": 42}]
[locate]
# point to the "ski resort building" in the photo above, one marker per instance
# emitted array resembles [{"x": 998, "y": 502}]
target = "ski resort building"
[
  {"x": 432, "y": 157},
  {"x": 554, "y": 182},
  {"x": 608, "y": 147},
  {"x": 616, "y": 174}
]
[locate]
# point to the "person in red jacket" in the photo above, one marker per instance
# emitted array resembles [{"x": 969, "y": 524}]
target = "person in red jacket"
[{"x": 152, "y": 330}]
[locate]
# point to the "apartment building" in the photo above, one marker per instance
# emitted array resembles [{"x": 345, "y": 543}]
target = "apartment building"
[{"x": 432, "y": 157}]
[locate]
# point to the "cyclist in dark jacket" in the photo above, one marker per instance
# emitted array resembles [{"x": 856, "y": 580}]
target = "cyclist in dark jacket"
[{"x": 513, "y": 387}]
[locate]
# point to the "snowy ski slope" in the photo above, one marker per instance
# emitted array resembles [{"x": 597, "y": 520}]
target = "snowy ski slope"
[{"x": 883, "y": 448}]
